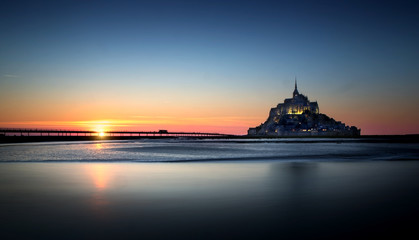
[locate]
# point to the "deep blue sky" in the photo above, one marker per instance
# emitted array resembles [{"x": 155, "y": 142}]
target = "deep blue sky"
[{"x": 353, "y": 56}]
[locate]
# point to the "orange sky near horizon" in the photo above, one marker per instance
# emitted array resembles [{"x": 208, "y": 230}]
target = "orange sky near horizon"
[{"x": 200, "y": 114}]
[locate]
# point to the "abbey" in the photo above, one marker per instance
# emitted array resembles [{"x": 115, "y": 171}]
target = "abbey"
[{"x": 297, "y": 116}]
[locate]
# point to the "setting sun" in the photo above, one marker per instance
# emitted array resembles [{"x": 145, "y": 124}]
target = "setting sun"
[{"x": 101, "y": 134}]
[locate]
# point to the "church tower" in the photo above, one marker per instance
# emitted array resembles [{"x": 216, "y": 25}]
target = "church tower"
[{"x": 295, "y": 93}]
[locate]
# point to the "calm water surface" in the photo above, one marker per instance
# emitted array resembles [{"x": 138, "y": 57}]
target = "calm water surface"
[{"x": 208, "y": 189}]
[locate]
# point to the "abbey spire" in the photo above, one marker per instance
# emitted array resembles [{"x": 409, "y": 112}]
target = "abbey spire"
[{"x": 295, "y": 93}]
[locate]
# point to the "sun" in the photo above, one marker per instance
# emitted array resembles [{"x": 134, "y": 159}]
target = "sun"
[{"x": 100, "y": 130}]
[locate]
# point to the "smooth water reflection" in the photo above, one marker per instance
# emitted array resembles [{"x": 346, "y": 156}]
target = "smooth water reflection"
[
  {"x": 208, "y": 200},
  {"x": 100, "y": 174}
]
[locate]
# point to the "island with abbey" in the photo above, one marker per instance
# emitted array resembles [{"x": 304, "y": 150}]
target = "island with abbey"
[{"x": 298, "y": 117}]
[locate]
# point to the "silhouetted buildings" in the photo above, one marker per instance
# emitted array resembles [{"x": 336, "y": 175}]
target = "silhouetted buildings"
[{"x": 297, "y": 116}]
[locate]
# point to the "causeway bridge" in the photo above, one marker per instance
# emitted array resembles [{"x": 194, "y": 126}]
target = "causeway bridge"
[{"x": 27, "y": 132}]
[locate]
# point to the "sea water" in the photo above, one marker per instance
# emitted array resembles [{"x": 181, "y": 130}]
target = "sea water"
[
  {"x": 178, "y": 150},
  {"x": 195, "y": 189}
]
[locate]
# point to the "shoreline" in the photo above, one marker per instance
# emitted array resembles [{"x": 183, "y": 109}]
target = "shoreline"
[{"x": 409, "y": 138}]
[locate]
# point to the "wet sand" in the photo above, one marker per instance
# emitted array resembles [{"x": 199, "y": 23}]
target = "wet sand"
[{"x": 253, "y": 199}]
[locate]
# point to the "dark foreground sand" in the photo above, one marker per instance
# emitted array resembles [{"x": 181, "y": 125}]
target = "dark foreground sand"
[{"x": 222, "y": 200}]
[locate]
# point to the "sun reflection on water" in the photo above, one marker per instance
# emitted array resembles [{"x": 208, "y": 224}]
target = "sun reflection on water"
[
  {"x": 100, "y": 174},
  {"x": 99, "y": 146}
]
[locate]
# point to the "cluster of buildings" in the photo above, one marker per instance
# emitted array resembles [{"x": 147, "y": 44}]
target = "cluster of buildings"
[{"x": 297, "y": 116}]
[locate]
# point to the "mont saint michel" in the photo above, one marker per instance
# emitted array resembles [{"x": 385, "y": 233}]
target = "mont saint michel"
[{"x": 297, "y": 116}]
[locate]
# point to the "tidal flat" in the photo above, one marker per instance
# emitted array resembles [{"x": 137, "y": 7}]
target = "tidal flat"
[{"x": 208, "y": 190}]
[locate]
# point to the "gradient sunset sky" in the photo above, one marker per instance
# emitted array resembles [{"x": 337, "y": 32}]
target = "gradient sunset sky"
[{"x": 212, "y": 66}]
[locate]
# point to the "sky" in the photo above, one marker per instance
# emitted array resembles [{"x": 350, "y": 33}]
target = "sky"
[{"x": 208, "y": 66}]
